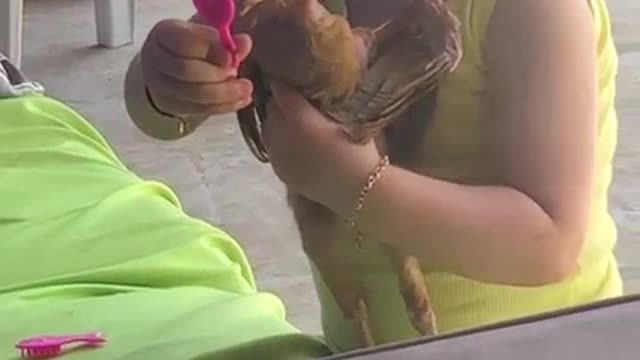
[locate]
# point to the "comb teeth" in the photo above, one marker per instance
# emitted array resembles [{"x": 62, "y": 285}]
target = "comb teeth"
[{"x": 41, "y": 352}]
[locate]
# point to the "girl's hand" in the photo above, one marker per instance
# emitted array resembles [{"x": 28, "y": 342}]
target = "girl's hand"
[
  {"x": 188, "y": 72},
  {"x": 313, "y": 155}
]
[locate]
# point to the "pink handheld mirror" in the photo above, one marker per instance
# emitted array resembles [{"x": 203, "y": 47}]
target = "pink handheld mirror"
[{"x": 220, "y": 14}]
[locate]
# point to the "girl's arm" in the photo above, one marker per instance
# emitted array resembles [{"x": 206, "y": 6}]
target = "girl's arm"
[{"x": 543, "y": 95}]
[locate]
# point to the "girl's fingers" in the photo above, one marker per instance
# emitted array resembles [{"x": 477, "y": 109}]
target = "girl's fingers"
[
  {"x": 223, "y": 57},
  {"x": 200, "y": 93},
  {"x": 181, "y": 107},
  {"x": 187, "y": 40},
  {"x": 185, "y": 69}
]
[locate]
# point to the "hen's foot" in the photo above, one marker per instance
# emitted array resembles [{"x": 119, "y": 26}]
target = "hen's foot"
[
  {"x": 416, "y": 297},
  {"x": 413, "y": 289},
  {"x": 361, "y": 317},
  {"x": 322, "y": 235}
]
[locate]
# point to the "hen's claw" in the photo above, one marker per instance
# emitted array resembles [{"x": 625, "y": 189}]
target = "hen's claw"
[{"x": 361, "y": 317}]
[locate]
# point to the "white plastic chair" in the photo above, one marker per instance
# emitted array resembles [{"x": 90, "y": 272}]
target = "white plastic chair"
[
  {"x": 11, "y": 30},
  {"x": 115, "y": 23}
]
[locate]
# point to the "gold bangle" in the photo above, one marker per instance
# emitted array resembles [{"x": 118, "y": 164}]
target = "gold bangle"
[
  {"x": 369, "y": 185},
  {"x": 182, "y": 126}
]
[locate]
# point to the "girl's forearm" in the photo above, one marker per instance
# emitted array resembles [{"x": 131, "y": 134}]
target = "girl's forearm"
[
  {"x": 542, "y": 131},
  {"x": 487, "y": 233}
]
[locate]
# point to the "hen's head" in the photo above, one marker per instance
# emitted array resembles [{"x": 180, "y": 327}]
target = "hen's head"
[{"x": 301, "y": 43}]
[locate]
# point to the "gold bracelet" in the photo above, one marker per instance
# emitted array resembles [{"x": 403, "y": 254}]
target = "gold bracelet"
[
  {"x": 369, "y": 185},
  {"x": 182, "y": 126}
]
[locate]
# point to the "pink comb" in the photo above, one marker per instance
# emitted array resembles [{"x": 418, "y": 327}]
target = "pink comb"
[
  {"x": 47, "y": 346},
  {"x": 220, "y": 15}
]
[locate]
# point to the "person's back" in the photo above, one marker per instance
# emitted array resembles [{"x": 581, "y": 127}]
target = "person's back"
[{"x": 87, "y": 245}]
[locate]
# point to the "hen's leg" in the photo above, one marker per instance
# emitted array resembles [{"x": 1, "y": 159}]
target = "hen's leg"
[
  {"x": 414, "y": 292},
  {"x": 319, "y": 230}
]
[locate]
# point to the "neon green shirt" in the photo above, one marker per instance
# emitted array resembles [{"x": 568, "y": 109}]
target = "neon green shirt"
[{"x": 86, "y": 245}]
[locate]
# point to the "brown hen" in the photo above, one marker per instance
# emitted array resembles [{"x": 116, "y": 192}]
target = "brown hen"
[{"x": 366, "y": 80}]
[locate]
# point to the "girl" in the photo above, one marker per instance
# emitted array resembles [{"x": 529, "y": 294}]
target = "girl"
[{"x": 507, "y": 208}]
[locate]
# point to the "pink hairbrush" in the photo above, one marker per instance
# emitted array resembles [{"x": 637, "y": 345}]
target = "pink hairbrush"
[
  {"x": 220, "y": 15},
  {"x": 48, "y": 346}
]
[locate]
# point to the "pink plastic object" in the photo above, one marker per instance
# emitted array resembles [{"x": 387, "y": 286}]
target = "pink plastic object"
[
  {"x": 48, "y": 346},
  {"x": 220, "y": 15}
]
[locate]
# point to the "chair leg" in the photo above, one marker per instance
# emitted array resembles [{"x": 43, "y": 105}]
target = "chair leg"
[
  {"x": 11, "y": 12},
  {"x": 115, "y": 22}
]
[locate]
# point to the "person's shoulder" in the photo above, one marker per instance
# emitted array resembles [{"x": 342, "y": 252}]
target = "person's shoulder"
[
  {"x": 545, "y": 21},
  {"x": 540, "y": 12},
  {"x": 477, "y": 17}
]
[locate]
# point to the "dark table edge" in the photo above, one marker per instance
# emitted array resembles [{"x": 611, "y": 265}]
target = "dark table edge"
[{"x": 499, "y": 325}]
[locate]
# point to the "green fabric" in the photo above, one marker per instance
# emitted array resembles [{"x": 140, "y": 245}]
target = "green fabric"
[{"x": 87, "y": 245}]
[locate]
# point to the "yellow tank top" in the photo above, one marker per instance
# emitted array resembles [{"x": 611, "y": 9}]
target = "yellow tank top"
[{"x": 457, "y": 149}]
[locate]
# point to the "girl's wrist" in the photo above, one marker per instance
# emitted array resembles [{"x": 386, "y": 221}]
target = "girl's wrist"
[
  {"x": 349, "y": 197},
  {"x": 372, "y": 180},
  {"x": 145, "y": 114}
]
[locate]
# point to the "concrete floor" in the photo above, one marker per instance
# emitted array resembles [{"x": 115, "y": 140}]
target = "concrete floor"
[{"x": 213, "y": 171}]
